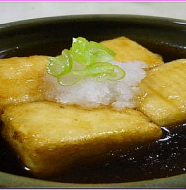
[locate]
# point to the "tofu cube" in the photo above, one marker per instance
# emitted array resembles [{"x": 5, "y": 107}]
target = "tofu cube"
[
  {"x": 129, "y": 50},
  {"x": 163, "y": 97},
  {"x": 50, "y": 138},
  {"x": 20, "y": 79}
]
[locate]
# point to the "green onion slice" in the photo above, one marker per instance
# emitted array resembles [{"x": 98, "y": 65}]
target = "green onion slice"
[
  {"x": 68, "y": 79},
  {"x": 103, "y": 71},
  {"x": 84, "y": 59},
  {"x": 60, "y": 65},
  {"x": 88, "y": 53}
]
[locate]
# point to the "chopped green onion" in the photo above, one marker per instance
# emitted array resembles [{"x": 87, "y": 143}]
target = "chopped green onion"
[
  {"x": 55, "y": 67},
  {"x": 80, "y": 51},
  {"x": 84, "y": 59},
  {"x": 60, "y": 65},
  {"x": 88, "y": 53},
  {"x": 68, "y": 60},
  {"x": 116, "y": 74},
  {"x": 105, "y": 71},
  {"x": 68, "y": 80},
  {"x": 104, "y": 48}
]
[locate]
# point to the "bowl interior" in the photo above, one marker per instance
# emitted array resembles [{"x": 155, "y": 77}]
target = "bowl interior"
[{"x": 50, "y": 35}]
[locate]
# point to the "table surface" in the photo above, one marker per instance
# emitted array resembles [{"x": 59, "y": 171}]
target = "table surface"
[{"x": 15, "y": 11}]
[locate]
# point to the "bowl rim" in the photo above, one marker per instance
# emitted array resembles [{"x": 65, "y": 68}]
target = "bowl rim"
[
  {"x": 166, "y": 21},
  {"x": 21, "y": 181}
]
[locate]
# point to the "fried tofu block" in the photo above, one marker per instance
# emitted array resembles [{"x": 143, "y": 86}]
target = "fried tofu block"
[
  {"x": 20, "y": 79},
  {"x": 163, "y": 97},
  {"x": 128, "y": 50},
  {"x": 50, "y": 137}
]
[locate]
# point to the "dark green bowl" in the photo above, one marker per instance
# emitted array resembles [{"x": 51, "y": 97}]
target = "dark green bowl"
[{"x": 49, "y": 36}]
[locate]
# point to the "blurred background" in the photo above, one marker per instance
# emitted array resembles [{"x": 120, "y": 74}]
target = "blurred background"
[{"x": 15, "y": 11}]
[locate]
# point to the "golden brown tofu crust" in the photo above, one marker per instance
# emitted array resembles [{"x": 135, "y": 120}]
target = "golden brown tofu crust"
[
  {"x": 163, "y": 97},
  {"x": 20, "y": 79},
  {"x": 129, "y": 50},
  {"x": 50, "y": 137}
]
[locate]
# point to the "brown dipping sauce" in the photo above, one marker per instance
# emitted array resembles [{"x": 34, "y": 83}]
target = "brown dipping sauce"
[{"x": 163, "y": 158}]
